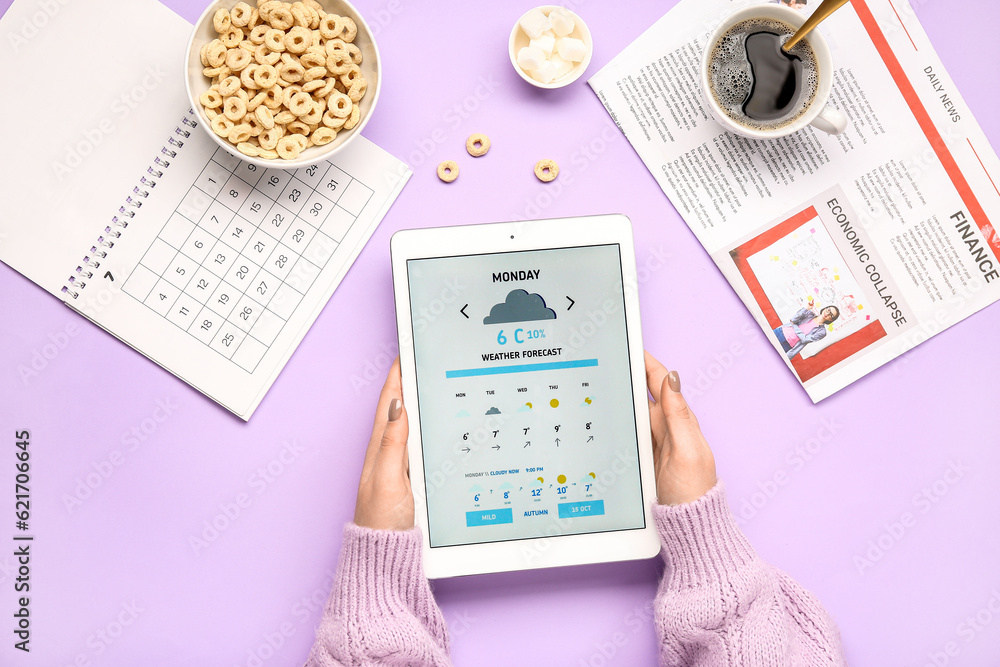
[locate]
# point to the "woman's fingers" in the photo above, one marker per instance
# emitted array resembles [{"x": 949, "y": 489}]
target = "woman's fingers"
[
  {"x": 392, "y": 447},
  {"x": 655, "y": 372},
  {"x": 392, "y": 389}
]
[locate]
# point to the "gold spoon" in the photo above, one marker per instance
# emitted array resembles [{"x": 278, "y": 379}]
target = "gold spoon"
[{"x": 824, "y": 10}]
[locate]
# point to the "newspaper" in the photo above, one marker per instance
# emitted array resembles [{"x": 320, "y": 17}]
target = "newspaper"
[{"x": 892, "y": 222}]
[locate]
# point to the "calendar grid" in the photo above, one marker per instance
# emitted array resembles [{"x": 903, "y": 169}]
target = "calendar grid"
[{"x": 234, "y": 260}]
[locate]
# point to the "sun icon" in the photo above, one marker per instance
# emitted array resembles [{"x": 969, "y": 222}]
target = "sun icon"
[
  {"x": 554, "y": 403},
  {"x": 561, "y": 479}
]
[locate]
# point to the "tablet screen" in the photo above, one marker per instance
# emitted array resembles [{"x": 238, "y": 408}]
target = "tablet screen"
[{"x": 525, "y": 394}]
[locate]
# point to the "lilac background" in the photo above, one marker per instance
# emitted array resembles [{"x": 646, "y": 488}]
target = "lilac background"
[{"x": 894, "y": 432}]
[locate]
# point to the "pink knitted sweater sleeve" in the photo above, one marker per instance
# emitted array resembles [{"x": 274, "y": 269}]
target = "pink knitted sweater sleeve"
[
  {"x": 719, "y": 604},
  {"x": 381, "y": 610}
]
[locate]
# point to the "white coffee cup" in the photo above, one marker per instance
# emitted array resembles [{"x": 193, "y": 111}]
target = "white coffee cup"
[{"x": 819, "y": 114}]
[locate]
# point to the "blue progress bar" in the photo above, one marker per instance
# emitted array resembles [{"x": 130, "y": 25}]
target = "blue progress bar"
[{"x": 520, "y": 368}]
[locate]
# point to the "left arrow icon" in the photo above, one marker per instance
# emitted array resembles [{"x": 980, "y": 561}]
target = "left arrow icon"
[{"x": 463, "y": 310}]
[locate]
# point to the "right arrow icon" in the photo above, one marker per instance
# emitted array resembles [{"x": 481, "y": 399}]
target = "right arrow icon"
[{"x": 571, "y": 302}]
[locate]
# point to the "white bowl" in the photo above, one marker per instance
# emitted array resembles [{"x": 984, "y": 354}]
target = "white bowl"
[
  {"x": 198, "y": 83},
  {"x": 519, "y": 40}
]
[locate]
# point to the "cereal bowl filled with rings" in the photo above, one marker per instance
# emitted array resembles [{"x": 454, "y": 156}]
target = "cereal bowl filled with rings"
[{"x": 282, "y": 84}]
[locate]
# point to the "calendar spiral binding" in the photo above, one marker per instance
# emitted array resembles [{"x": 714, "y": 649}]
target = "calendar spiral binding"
[{"x": 120, "y": 221}]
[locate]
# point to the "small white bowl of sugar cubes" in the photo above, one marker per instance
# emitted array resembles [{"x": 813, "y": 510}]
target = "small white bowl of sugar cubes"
[{"x": 550, "y": 47}]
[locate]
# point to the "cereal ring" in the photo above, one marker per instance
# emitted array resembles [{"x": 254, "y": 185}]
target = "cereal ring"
[
  {"x": 300, "y": 104},
  {"x": 315, "y": 5},
  {"x": 274, "y": 98},
  {"x": 301, "y": 15},
  {"x": 297, "y": 127},
  {"x": 340, "y": 105},
  {"x": 274, "y": 40},
  {"x": 314, "y": 85},
  {"x": 239, "y": 133},
  {"x": 211, "y": 72},
  {"x": 354, "y": 52},
  {"x": 257, "y": 33},
  {"x": 234, "y": 108},
  {"x": 265, "y": 56},
  {"x": 314, "y": 73},
  {"x": 269, "y": 138},
  {"x": 546, "y": 170},
  {"x": 246, "y": 77},
  {"x": 240, "y": 14},
  {"x": 243, "y": 95},
  {"x": 478, "y": 145},
  {"x": 264, "y": 116},
  {"x": 288, "y": 148},
  {"x": 357, "y": 90},
  {"x": 232, "y": 38},
  {"x": 222, "y": 126},
  {"x": 265, "y": 76},
  {"x": 248, "y": 149},
  {"x": 350, "y": 29},
  {"x": 323, "y": 136},
  {"x": 311, "y": 59},
  {"x": 212, "y": 113},
  {"x": 448, "y": 171},
  {"x": 297, "y": 40},
  {"x": 333, "y": 122},
  {"x": 354, "y": 118},
  {"x": 284, "y": 117},
  {"x": 237, "y": 59},
  {"x": 211, "y": 99},
  {"x": 328, "y": 87},
  {"x": 222, "y": 21},
  {"x": 204, "y": 55},
  {"x": 256, "y": 101},
  {"x": 334, "y": 45},
  {"x": 315, "y": 115},
  {"x": 286, "y": 95},
  {"x": 255, "y": 127},
  {"x": 269, "y": 154},
  {"x": 339, "y": 63},
  {"x": 281, "y": 17},
  {"x": 330, "y": 26},
  {"x": 264, "y": 8},
  {"x": 254, "y": 20},
  {"x": 302, "y": 139},
  {"x": 351, "y": 75},
  {"x": 229, "y": 86},
  {"x": 216, "y": 53}
]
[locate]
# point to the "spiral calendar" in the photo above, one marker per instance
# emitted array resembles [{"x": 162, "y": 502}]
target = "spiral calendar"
[{"x": 212, "y": 267}]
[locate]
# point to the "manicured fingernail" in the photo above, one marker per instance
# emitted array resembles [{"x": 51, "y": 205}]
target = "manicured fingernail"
[
  {"x": 395, "y": 409},
  {"x": 674, "y": 380}
]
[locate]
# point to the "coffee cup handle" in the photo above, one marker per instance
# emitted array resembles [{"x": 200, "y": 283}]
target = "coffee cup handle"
[{"x": 830, "y": 120}]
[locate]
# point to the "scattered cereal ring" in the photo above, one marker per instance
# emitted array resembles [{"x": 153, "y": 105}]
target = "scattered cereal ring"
[
  {"x": 353, "y": 119},
  {"x": 231, "y": 38},
  {"x": 357, "y": 90},
  {"x": 330, "y": 26},
  {"x": 288, "y": 148},
  {"x": 264, "y": 116},
  {"x": 314, "y": 85},
  {"x": 221, "y": 21},
  {"x": 323, "y": 136},
  {"x": 229, "y": 86},
  {"x": 350, "y": 29},
  {"x": 254, "y": 20},
  {"x": 546, "y": 170},
  {"x": 314, "y": 73},
  {"x": 265, "y": 76},
  {"x": 354, "y": 52},
  {"x": 301, "y": 15},
  {"x": 275, "y": 98},
  {"x": 298, "y": 39},
  {"x": 240, "y": 14},
  {"x": 269, "y": 138},
  {"x": 257, "y": 33},
  {"x": 312, "y": 59},
  {"x": 333, "y": 122},
  {"x": 204, "y": 55},
  {"x": 237, "y": 59},
  {"x": 328, "y": 87},
  {"x": 274, "y": 40},
  {"x": 300, "y": 104},
  {"x": 234, "y": 108},
  {"x": 338, "y": 63},
  {"x": 284, "y": 117},
  {"x": 448, "y": 171},
  {"x": 248, "y": 149},
  {"x": 216, "y": 53},
  {"x": 269, "y": 154},
  {"x": 211, "y": 99},
  {"x": 478, "y": 145},
  {"x": 256, "y": 101},
  {"x": 281, "y": 17},
  {"x": 340, "y": 105},
  {"x": 212, "y": 72},
  {"x": 222, "y": 126},
  {"x": 297, "y": 127},
  {"x": 239, "y": 133},
  {"x": 246, "y": 76}
]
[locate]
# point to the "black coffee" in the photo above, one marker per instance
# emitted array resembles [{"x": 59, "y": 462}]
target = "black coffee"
[{"x": 755, "y": 82}]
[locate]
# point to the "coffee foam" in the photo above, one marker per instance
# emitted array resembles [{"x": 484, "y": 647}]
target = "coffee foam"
[{"x": 729, "y": 72}]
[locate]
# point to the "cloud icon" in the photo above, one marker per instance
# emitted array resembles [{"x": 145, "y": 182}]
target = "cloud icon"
[
  {"x": 463, "y": 413},
  {"x": 493, "y": 411},
  {"x": 505, "y": 486},
  {"x": 519, "y": 306},
  {"x": 524, "y": 408},
  {"x": 476, "y": 489}
]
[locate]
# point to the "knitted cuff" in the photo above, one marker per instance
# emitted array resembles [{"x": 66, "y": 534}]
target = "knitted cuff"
[
  {"x": 701, "y": 541},
  {"x": 381, "y": 571}
]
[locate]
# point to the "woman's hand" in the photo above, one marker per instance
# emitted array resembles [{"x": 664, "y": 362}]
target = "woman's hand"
[
  {"x": 685, "y": 467},
  {"x": 385, "y": 500}
]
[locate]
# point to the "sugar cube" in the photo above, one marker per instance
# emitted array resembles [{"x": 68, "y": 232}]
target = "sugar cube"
[
  {"x": 545, "y": 73},
  {"x": 562, "y": 22},
  {"x": 546, "y": 44},
  {"x": 530, "y": 58},
  {"x": 571, "y": 48},
  {"x": 562, "y": 66},
  {"x": 534, "y": 23}
]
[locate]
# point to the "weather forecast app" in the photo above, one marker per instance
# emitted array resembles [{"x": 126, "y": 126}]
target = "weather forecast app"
[{"x": 525, "y": 395}]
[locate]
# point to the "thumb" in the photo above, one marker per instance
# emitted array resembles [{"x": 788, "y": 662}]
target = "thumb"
[
  {"x": 392, "y": 449},
  {"x": 682, "y": 425}
]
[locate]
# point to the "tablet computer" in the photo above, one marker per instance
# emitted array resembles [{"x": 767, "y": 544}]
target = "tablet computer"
[{"x": 524, "y": 383}]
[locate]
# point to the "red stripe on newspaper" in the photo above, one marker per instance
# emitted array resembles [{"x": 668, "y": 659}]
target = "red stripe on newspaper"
[
  {"x": 927, "y": 125},
  {"x": 902, "y": 24},
  {"x": 833, "y": 354}
]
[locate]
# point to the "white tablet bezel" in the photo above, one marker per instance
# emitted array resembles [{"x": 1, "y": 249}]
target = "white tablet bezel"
[{"x": 525, "y": 553}]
